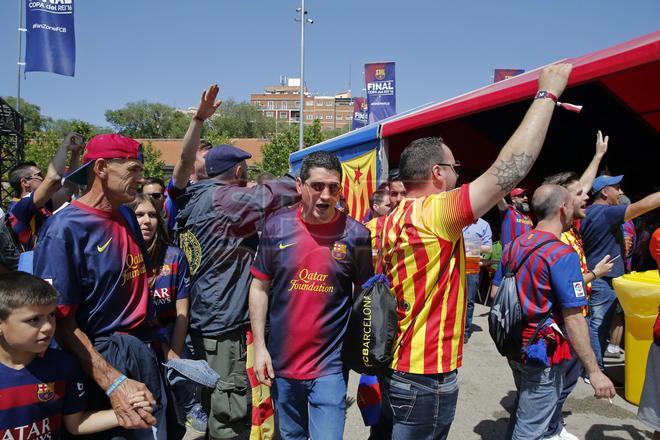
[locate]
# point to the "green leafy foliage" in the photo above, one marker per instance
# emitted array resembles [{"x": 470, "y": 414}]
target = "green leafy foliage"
[
  {"x": 148, "y": 120},
  {"x": 240, "y": 120},
  {"x": 33, "y": 120},
  {"x": 276, "y": 153},
  {"x": 153, "y": 166}
]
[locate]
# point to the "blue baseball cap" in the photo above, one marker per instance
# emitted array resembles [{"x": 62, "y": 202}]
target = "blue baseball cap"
[
  {"x": 602, "y": 181},
  {"x": 222, "y": 157}
]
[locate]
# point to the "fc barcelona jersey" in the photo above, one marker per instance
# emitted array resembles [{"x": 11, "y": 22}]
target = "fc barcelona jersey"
[
  {"x": 312, "y": 269},
  {"x": 34, "y": 398}
]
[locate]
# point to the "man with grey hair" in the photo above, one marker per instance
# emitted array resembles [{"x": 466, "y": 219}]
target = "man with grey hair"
[{"x": 551, "y": 291}]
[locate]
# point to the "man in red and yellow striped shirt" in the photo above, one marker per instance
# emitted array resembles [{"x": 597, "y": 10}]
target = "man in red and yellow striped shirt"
[{"x": 425, "y": 262}]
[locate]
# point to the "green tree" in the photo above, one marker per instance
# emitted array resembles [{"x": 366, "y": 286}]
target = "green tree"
[
  {"x": 276, "y": 152},
  {"x": 241, "y": 120},
  {"x": 148, "y": 120},
  {"x": 65, "y": 126},
  {"x": 153, "y": 166},
  {"x": 33, "y": 120},
  {"x": 41, "y": 147}
]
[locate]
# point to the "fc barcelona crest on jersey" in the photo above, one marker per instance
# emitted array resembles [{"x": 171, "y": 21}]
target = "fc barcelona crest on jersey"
[
  {"x": 339, "y": 251},
  {"x": 45, "y": 391}
]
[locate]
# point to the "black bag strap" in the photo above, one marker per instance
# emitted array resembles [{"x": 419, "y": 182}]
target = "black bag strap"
[
  {"x": 522, "y": 262},
  {"x": 534, "y": 249}
]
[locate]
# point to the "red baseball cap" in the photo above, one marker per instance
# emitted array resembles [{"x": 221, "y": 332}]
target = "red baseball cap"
[
  {"x": 517, "y": 191},
  {"x": 105, "y": 146}
]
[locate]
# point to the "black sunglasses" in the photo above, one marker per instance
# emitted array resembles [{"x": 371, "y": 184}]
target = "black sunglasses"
[{"x": 333, "y": 187}]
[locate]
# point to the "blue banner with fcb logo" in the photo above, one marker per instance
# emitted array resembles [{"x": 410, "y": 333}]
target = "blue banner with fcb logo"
[
  {"x": 502, "y": 74},
  {"x": 51, "y": 39},
  {"x": 381, "y": 95}
]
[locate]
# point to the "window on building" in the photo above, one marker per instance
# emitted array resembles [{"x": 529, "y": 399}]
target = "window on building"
[
  {"x": 269, "y": 114},
  {"x": 328, "y": 117},
  {"x": 339, "y": 118},
  {"x": 329, "y": 103},
  {"x": 309, "y": 117},
  {"x": 283, "y": 115},
  {"x": 309, "y": 103},
  {"x": 270, "y": 105},
  {"x": 285, "y": 105}
]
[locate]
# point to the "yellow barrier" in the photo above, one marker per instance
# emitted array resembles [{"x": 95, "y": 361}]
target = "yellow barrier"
[{"x": 639, "y": 295}]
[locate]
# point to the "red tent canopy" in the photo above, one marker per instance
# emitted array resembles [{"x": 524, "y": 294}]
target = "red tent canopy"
[
  {"x": 630, "y": 70},
  {"x": 618, "y": 87}
]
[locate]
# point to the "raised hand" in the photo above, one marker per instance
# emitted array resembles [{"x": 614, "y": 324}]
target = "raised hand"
[
  {"x": 208, "y": 105},
  {"x": 604, "y": 266},
  {"x": 601, "y": 143},
  {"x": 554, "y": 78},
  {"x": 73, "y": 142}
]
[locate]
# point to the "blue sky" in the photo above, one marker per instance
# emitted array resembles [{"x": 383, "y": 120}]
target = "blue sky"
[{"x": 169, "y": 51}]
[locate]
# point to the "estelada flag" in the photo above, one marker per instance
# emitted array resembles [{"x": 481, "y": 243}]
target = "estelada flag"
[
  {"x": 359, "y": 182},
  {"x": 263, "y": 414}
]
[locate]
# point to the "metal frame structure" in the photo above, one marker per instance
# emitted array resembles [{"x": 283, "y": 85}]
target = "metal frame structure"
[{"x": 11, "y": 146}]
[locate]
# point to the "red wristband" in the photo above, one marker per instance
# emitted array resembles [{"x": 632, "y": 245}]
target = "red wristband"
[{"x": 542, "y": 94}]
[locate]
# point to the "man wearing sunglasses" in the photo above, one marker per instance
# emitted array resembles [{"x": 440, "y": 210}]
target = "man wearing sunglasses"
[
  {"x": 426, "y": 267},
  {"x": 155, "y": 187},
  {"x": 38, "y": 196},
  {"x": 307, "y": 265},
  {"x": 217, "y": 225}
]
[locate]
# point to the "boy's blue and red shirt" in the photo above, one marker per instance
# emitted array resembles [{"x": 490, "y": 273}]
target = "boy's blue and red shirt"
[
  {"x": 95, "y": 259},
  {"x": 34, "y": 399},
  {"x": 171, "y": 285},
  {"x": 312, "y": 269},
  {"x": 171, "y": 209},
  {"x": 514, "y": 224},
  {"x": 26, "y": 220},
  {"x": 549, "y": 279}
]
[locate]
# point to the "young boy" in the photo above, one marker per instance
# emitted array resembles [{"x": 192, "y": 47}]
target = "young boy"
[{"x": 40, "y": 388}]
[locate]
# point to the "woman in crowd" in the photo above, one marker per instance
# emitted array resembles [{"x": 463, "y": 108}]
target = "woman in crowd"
[{"x": 170, "y": 292}]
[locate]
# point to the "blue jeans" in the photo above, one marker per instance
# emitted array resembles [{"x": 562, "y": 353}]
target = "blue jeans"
[
  {"x": 539, "y": 388},
  {"x": 600, "y": 313},
  {"x": 472, "y": 289},
  {"x": 314, "y": 408},
  {"x": 417, "y": 406},
  {"x": 572, "y": 372}
]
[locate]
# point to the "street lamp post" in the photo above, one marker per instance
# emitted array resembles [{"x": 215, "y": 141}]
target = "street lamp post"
[{"x": 301, "y": 119}]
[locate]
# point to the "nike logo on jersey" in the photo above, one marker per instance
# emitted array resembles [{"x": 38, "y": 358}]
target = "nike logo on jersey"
[
  {"x": 284, "y": 246},
  {"x": 104, "y": 247}
]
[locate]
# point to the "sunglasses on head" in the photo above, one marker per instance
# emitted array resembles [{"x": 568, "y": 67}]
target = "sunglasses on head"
[{"x": 333, "y": 187}]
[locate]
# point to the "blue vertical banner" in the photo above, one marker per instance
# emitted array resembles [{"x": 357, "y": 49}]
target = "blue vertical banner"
[
  {"x": 51, "y": 38},
  {"x": 360, "y": 113},
  {"x": 381, "y": 95}
]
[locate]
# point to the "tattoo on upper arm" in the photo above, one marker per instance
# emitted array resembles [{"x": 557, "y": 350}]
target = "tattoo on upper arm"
[{"x": 511, "y": 171}]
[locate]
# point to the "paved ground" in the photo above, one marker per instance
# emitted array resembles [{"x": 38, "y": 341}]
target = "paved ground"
[{"x": 487, "y": 392}]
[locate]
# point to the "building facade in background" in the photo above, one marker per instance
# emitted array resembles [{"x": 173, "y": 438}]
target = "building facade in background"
[{"x": 282, "y": 102}]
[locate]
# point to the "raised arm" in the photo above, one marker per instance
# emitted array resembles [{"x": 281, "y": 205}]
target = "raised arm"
[
  {"x": 53, "y": 181},
  {"x": 74, "y": 340},
  {"x": 641, "y": 207},
  {"x": 589, "y": 174},
  {"x": 518, "y": 155},
  {"x": 186, "y": 163}
]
